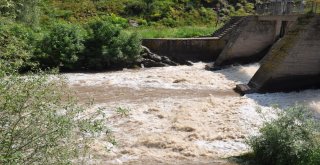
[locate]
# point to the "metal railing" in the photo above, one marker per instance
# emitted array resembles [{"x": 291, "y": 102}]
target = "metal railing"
[{"x": 286, "y": 7}]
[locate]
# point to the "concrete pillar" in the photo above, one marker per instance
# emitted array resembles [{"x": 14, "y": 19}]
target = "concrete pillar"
[{"x": 293, "y": 63}]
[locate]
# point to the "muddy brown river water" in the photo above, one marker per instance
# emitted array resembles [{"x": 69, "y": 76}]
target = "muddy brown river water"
[{"x": 178, "y": 115}]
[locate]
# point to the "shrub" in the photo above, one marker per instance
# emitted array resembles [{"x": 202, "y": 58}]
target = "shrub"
[
  {"x": 100, "y": 36},
  {"x": 20, "y": 10},
  {"x": 159, "y": 9},
  {"x": 291, "y": 139},
  {"x": 40, "y": 123},
  {"x": 142, "y": 22},
  {"x": 135, "y": 8},
  {"x": 17, "y": 43},
  {"x": 62, "y": 45},
  {"x": 107, "y": 46},
  {"x": 207, "y": 15},
  {"x": 115, "y": 20},
  {"x": 125, "y": 49},
  {"x": 169, "y": 22}
]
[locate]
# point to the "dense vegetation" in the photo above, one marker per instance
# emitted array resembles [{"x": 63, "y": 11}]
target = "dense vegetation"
[
  {"x": 100, "y": 34},
  {"x": 291, "y": 139},
  {"x": 150, "y": 12}
]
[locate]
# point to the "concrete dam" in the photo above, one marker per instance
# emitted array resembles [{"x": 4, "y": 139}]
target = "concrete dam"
[{"x": 287, "y": 47}]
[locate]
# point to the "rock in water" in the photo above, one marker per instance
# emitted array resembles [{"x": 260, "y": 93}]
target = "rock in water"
[{"x": 150, "y": 59}]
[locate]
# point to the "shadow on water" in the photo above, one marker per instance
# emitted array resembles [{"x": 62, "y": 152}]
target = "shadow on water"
[{"x": 245, "y": 159}]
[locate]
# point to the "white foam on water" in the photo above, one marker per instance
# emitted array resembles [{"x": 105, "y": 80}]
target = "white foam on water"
[{"x": 188, "y": 128}]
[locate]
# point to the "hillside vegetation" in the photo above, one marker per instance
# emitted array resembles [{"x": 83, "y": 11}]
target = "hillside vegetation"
[
  {"x": 101, "y": 34},
  {"x": 148, "y": 12}
]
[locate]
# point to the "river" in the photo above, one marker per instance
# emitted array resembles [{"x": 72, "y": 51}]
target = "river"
[{"x": 179, "y": 114}]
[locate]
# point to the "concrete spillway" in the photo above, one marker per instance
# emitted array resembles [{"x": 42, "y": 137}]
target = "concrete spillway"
[
  {"x": 293, "y": 62},
  {"x": 289, "y": 47},
  {"x": 252, "y": 39}
]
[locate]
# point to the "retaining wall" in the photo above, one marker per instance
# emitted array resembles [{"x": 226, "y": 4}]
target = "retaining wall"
[{"x": 192, "y": 49}]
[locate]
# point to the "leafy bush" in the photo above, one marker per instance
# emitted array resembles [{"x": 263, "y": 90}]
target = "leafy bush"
[
  {"x": 115, "y": 20},
  {"x": 107, "y": 46},
  {"x": 40, "y": 123},
  {"x": 17, "y": 43},
  {"x": 21, "y": 10},
  {"x": 135, "y": 8},
  {"x": 291, "y": 139},
  {"x": 62, "y": 45},
  {"x": 126, "y": 48}
]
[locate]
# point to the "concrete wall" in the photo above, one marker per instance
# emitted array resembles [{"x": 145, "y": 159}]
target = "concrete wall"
[
  {"x": 249, "y": 42},
  {"x": 294, "y": 62},
  {"x": 193, "y": 49}
]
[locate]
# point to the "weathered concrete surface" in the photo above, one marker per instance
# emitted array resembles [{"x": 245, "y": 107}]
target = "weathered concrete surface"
[
  {"x": 193, "y": 49},
  {"x": 253, "y": 38},
  {"x": 290, "y": 18},
  {"x": 249, "y": 42},
  {"x": 294, "y": 62}
]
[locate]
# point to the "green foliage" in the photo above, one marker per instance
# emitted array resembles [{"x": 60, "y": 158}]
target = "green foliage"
[
  {"x": 40, "y": 123},
  {"x": 111, "y": 6},
  {"x": 101, "y": 45},
  {"x": 123, "y": 112},
  {"x": 176, "y": 32},
  {"x": 21, "y": 10},
  {"x": 62, "y": 45},
  {"x": 16, "y": 45},
  {"x": 166, "y": 12},
  {"x": 135, "y": 8},
  {"x": 291, "y": 139},
  {"x": 110, "y": 42},
  {"x": 107, "y": 46},
  {"x": 115, "y": 20},
  {"x": 71, "y": 10}
]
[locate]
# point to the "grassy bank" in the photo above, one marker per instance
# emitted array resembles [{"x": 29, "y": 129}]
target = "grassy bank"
[{"x": 176, "y": 32}]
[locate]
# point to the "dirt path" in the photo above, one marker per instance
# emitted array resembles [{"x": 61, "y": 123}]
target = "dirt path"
[{"x": 178, "y": 115}]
